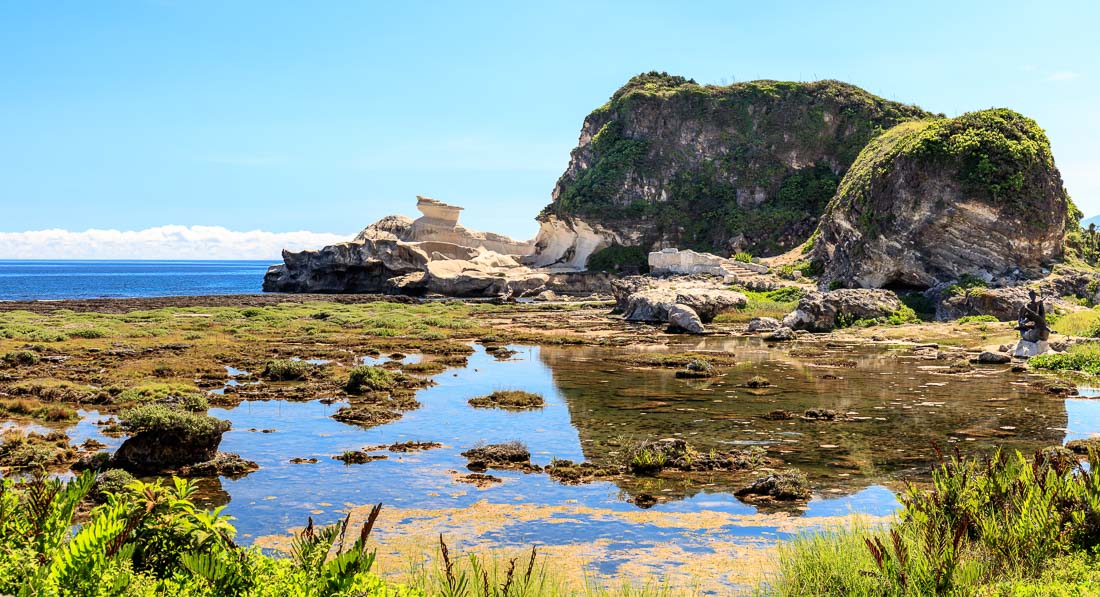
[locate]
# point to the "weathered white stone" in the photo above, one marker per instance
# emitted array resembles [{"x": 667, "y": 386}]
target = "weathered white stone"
[
  {"x": 569, "y": 243},
  {"x": 684, "y": 318},
  {"x": 763, "y": 324},
  {"x": 1025, "y": 349}
]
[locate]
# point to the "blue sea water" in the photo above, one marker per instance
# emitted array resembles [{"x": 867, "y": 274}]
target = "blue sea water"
[{"x": 22, "y": 280}]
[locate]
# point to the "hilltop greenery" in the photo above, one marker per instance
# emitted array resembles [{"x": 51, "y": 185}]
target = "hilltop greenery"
[{"x": 763, "y": 160}]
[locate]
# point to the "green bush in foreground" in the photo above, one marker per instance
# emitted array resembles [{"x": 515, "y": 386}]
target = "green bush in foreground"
[
  {"x": 997, "y": 527},
  {"x": 151, "y": 540},
  {"x": 146, "y": 540}
]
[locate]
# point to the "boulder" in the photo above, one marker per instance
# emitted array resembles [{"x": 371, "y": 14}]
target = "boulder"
[
  {"x": 674, "y": 261},
  {"x": 710, "y": 303},
  {"x": 763, "y": 324},
  {"x": 929, "y": 201},
  {"x": 622, "y": 288},
  {"x": 157, "y": 451},
  {"x": 782, "y": 334},
  {"x": 649, "y": 305},
  {"x": 683, "y": 318},
  {"x": 1002, "y": 303},
  {"x": 824, "y": 311},
  {"x": 994, "y": 358},
  {"x": 1025, "y": 349}
]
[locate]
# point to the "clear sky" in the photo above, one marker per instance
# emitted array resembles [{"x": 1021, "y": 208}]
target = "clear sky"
[{"x": 325, "y": 116}]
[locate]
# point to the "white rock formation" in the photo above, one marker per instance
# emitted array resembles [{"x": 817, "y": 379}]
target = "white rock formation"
[
  {"x": 440, "y": 224},
  {"x": 569, "y": 243},
  {"x": 675, "y": 261}
]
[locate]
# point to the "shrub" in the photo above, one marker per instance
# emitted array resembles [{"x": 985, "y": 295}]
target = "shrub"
[
  {"x": 1080, "y": 357},
  {"x": 286, "y": 370},
  {"x": 158, "y": 418},
  {"x": 110, "y": 481},
  {"x": 743, "y": 257},
  {"x": 619, "y": 258},
  {"x": 18, "y": 358},
  {"x": 977, "y": 319},
  {"x": 89, "y": 333},
  {"x": 990, "y": 523},
  {"x": 367, "y": 378}
]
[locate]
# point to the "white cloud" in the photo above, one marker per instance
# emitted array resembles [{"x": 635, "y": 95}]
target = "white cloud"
[
  {"x": 1063, "y": 75},
  {"x": 162, "y": 242}
]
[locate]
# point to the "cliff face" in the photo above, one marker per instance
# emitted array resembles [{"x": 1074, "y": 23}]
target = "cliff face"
[
  {"x": 930, "y": 201},
  {"x": 750, "y": 166}
]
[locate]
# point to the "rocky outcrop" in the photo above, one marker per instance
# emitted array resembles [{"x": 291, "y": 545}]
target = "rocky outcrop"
[
  {"x": 682, "y": 318},
  {"x": 430, "y": 255},
  {"x": 824, "y": 311},
  {"x": 763, "y": 324},
  {"x": 1002, "y": 303},
  {"x": 649, "y": 305},
  {"x": 710, "y": 303},
  {"x": 931, "y": 201},
  {"x": 154, "y": 451},
  {"x": 749, "y": 166},
  {"x": 567, "y": 242}
]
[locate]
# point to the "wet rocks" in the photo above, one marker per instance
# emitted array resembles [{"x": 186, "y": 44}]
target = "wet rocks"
[
  {"x": 479, "y": 480},
  {"x": 568, "y": 472},
  {"x": 819, "y": 414},
  {"x": 649, "y": 458},
  {"x": 358, "y": 457},
  {"x": 510, "y": 455},
  {"x": 697, "y": 369},
  {"x": 682, "y": 318},
  {"x": 509, "y": 400},
  {"x": 785, "y": 485},
  {"x": 366, "y": 415},
  {"x": 167, "y": 439},
  {"x": 825, "y": 311},
  {"x": 300, "y": 460},
  {"x": 757, "y": 382},
  {"x": 1082, "y": 446},
  {"x": 225, "y": 464},
  {"x": 993, "y": 358},
  {"x": 763, "y": 324},
  {"x": 778, "y": 415},
  {"x": 782, "y": 334},
  {"x": 413, "y": 446}
]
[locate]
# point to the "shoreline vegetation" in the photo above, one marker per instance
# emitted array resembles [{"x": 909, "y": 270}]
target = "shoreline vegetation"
[{"x": 1005, "y": 525}]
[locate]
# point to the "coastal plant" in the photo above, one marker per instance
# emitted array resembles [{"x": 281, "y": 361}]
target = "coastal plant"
[
  {"x": 1083, "y": 358},
  {"x": 286, "y": 370},
  {"x": 162, "y": 419},
  {"x": 18, "y": 358},
  {"x": 994, "y": 522},
  {"x": 743, "y": 256},
  {"x": 365, "y": 378}
]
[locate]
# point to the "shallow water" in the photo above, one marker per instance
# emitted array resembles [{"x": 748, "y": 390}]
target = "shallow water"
[{"x": 898, "y": 406}]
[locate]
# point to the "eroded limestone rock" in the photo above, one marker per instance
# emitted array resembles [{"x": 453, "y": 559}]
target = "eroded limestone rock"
[
  {"x": 684, "y": 318},
  {"x": 824, "y": 311}
]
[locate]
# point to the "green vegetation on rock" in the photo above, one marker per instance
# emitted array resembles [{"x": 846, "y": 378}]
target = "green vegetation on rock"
[
  {"x": 733, "y": 175},
  {"x": 619, "y": 258}
]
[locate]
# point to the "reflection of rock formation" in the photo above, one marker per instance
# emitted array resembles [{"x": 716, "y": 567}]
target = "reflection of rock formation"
[
  {"x": 897, "y": 409},
  {"x": 430, "y": 255}
]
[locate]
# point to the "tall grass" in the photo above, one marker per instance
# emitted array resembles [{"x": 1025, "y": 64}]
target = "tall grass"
[
  {"x": 983, "y": 527},
  {"x": 1079, "y": 323},
  {"x": 1084, "y": 358}
]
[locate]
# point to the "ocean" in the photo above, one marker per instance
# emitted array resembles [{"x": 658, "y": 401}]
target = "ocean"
[{"x": 22, "y": 280}]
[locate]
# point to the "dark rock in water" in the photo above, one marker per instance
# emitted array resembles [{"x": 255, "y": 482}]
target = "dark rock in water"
[
  {"x": 929, "y": 201},
  {"x": 779, "y": 415},
  {"x": 994, "y": 358},
  {"x": 1082, "y": 446},
  {"x": 152, "y": 451},
  {"x": 224, "y": 464},
  {"x": 787, "y": 485},
  {"x": 644, "y": 501},
  {"x": 664, "y": 154},
  {"x": 820, "y": 414},
  {"x": 758, "y": 381},
  {"x": 824, "y": 311},
  {"x": 510, "y": 455},
  {"x": 782, "y": 334}
]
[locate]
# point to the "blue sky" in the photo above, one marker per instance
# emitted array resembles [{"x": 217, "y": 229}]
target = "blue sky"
[{"x": 325, "y": 116}]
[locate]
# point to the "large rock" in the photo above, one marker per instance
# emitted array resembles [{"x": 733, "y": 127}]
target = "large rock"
[
  {"x": 682, "y": 318},
  {"x": 656, "y": 164},
  {"x": 1002, "y": 303},
  {"x": 353, "y": 267},
  {"x": 763, "y": 324},
  {"x": 623, "y": 288},
  {"x": 153, "y": 452},
  {"x": 649, "y": 305},
  {"x": 824, "y": 311},
  {"x": 930, "y": 201},
  {"x": 710, "y": 303}
]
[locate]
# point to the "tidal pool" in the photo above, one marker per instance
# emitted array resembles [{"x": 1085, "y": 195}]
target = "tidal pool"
[{"x": 896, "y": 406}]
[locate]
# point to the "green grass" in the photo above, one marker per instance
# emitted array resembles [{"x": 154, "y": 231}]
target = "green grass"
[
  {"x": 1079, "y": 323},
  {"x": 157, "y": 418},
  {"x": 977, "y": 319},
  {"x": 1083, "y": 358},
  {"x": 773, "y": 303},
  {"x": 985, "y": 527},
  {"x": 286, "y": 370}
]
